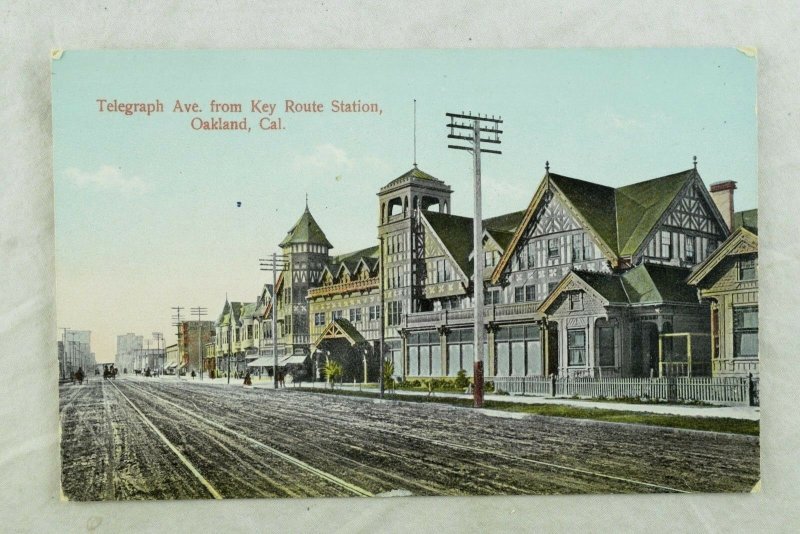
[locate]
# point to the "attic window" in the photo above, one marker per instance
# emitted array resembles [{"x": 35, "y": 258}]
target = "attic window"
[
  {"x": 747, "y": 269},
  {"x": 576, "y": 300}
]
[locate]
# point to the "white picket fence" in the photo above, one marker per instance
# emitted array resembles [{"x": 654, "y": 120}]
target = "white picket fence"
[{"x": 727, "y": 390}]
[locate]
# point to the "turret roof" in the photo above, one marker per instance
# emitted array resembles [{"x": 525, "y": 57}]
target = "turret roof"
[{"x": 306, "y": 231}]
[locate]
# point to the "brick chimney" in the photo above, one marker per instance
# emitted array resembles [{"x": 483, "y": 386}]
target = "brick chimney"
[{"x": 722, "y": 195}]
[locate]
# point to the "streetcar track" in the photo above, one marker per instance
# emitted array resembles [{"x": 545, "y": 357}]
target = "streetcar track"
[
  {"x": 214, "y": 493},
  {"x": 511, "y": 457},
  {"x": 352, "y": 488},
  {"x": 506, "y": 456}
]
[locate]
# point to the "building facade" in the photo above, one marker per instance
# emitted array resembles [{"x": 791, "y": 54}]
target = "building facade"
[
  {"x": 728, "y": 279},
  {"x": 192, "y": 339},
  {"x": 588, "y": 280}
]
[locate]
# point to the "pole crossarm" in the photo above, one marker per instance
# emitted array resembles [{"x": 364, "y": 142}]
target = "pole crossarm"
[{"x": 469, "y": 149}]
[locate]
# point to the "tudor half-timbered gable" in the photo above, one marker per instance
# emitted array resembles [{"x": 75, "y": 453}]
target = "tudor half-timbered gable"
[
  {"x": 690, "y": 229},
  {"x": 553, "y": 244}
]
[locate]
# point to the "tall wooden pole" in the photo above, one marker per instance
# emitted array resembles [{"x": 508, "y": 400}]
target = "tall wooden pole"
[
  {"x": 477, "y": 247},
  {"x": 492, "y": 131},
  {"x": 381, "y": 331}
]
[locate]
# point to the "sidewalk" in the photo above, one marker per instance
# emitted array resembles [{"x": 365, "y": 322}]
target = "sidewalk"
[{"x": 751, "y": 413}]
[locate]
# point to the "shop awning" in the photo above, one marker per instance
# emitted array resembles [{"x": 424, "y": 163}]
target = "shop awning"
[
  {"x": 268, "y": 361},
  {"x": 263, "y": 361},
  {"x": 171, "y": 365},
  {"x": 295, "y": 359}
]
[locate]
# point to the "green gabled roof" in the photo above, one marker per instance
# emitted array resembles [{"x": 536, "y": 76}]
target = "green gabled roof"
[
  {"x": 236, "y": 309},
  {"x": 641, "y": 205},
  {"x": 455, "y": 233},
  {"x": 350, "y": 330},
  {"x": 306, "y": 231},
  {"x": 351, "y": 259},
  {"x": 644, "y": 284},
  {"x": 748, "y": 219},
  {"x": 607, "y": 285},
  {"x": 653, "y": 284},
  {"x": 595, "y": 203},
  {"x": 248, "y": 309},
  {"x": 622, "y": 217},
  {"x": 227, "y": 309},
  {"x": 504, "y": 223},
  {"x": 501, "y": 237}
]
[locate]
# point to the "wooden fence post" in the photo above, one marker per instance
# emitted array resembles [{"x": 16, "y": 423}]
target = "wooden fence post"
[{"x": 553, "y": 385}]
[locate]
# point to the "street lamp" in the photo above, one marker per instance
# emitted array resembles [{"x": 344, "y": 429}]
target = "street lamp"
[{"x": 365, "y": 365}]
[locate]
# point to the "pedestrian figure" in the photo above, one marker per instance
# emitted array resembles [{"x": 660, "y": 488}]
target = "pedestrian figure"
[
  {"x": 79, "y": 376},
  {"x": 247, "y": 380},
  {"x": 193, "y": 375}
]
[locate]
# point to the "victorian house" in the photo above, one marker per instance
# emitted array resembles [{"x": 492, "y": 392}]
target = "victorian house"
[{"x": 728, "y": 279}]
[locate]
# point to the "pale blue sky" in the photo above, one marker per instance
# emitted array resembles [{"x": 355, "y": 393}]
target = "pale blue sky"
[{"x": 145, "y": 206}]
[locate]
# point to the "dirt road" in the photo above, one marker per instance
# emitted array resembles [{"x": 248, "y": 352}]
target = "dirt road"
[{"x": 155, "y": 438}]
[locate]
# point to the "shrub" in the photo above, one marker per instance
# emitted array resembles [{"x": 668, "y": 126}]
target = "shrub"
[{"x": 461, "y": 380}]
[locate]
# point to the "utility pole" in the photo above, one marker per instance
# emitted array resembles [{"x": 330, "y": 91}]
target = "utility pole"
[
  {"x": 459, "y": 122},
  {"x": 200, "y": 312},
  {"x": 64, "y": 352},
  {"x": 266, "y": 264},
  {"x": 380, "y": 310},
  {"x": 176, "y": 321},
  {"x": 158, "y": 336}
]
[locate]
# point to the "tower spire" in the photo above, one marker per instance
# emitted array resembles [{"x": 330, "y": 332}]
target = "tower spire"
[
  {"x": 415, "y": 133},
  {"x": 306, "y": 201}
]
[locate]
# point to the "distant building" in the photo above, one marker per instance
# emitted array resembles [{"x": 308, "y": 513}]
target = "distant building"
[
  {"x": 77, "y": 351},
  {"x": 172, "y": 359},
  {"x": 194, "y": 336},
  {"x": 128, "y": 345}
]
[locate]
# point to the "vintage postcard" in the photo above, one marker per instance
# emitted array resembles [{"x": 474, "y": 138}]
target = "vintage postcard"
[{"x": 328, "y": 273}]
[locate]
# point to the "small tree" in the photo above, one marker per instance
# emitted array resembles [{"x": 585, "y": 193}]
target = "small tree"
[
  {"x": 388, "y": 375},
  {"x": 333, "y": 370},
  {"x": 461, "y": 379}
]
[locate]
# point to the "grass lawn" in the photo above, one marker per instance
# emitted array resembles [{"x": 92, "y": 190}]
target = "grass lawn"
[{"x": 710, "y": 424}]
